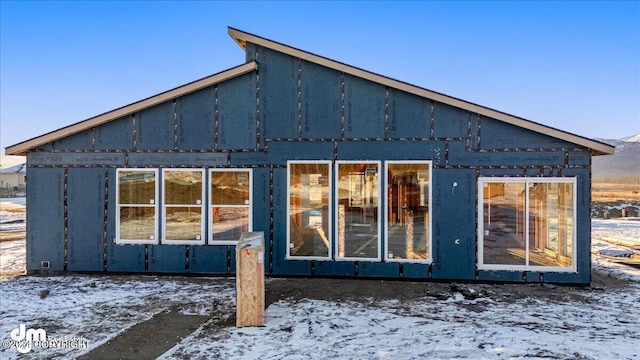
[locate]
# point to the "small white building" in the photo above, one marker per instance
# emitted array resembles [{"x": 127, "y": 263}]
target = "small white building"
[{"x": 13, "y": 172}]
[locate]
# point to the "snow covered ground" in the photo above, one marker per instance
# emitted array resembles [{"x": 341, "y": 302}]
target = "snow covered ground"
[
  {"x": 597, "y": 323},
  {"x": 11, "y": 220},
  {"x": 624, "y": 231}
]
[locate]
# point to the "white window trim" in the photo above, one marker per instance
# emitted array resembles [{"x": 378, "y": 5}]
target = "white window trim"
[
  {"x": 527, "y": 181},
  {"x": 210, "y": 205},
  {"x": 153, "y": 241},
  {"x": 164, "y": 239},
  {"x": 386, "y": 211},
  {"x": 335, "y": 209},
  {"x": 329, "y": 234}
]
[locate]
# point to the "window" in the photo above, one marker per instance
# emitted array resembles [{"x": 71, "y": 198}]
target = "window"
[
  {"x": 527, "y": 224},
  {"x": 308, "y": 204},
  {"x": 358, "y": 210},
  {"x": 230, "y": 205},
  {"x": 407, "y": 214},
  {"x": 136, "y": 206},
  {"x": 183, "y": 206}
]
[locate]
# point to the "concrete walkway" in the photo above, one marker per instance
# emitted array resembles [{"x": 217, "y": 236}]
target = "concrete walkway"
[{"x": 149, "y": 339}]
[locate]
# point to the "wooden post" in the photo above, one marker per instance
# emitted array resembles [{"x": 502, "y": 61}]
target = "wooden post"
[{"x": 250, "y": 280}]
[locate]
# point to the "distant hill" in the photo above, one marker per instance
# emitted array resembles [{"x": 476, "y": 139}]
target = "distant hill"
[
  {"x": 633, "y": 138},
  {"x": 624, "y": 166}
]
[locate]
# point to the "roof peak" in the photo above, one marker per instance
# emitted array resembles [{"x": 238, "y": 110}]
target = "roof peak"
[{"x": 242, "y": 37}]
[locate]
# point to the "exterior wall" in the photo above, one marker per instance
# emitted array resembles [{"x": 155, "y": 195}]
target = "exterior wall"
[
  {"x": 12, "y": 180},
  {"x": 289, "y": 110}
]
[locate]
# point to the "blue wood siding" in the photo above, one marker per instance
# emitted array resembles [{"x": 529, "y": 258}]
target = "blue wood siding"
[
  {"x": 208, "y": 259},
  {"x": 278, "y": 94},
  {"x": 415, "y": 271},
  {"x": 196, "y": 120},
  {"x": 155, "y": 127},
  {"x": 290, "y": 109},
  {"x": 167, "y": 258},
  {"x": 262, "y": 213},
  {"x": 409, "y": 115},
  {"x": 85, "y": 214},
  {"x": 364, "y": 104},
  {"x": 500, "y": 135},
  {"x": 392, "y": 150},
  {"x": 115, "y": 135},
  {"x": 449, "y": 122},
  {"x": 236, "y": 117},
  {"x": 321, "y": 102},
  {"x": 454, "y": 224},
  {"x": 283, "y": 151},
  {"x": 79, "y": 141},
  {"x": 45, "y": 227},
  {"x": 335, "y": 268}
]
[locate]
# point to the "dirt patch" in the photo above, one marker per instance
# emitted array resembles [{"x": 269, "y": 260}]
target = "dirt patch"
[
  {"x": 608, "y": 192},
  {"x": 149, "y": 339},
  {"x": 371, "y": 291},
  {"x": 13, "y": 235},
  {"x": 14, "y": 208},
  {"x": 603, "y": 280}
]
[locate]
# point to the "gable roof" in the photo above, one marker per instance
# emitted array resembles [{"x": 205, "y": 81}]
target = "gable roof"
[
  {"x": 23, "y": 147},
  {"x": 15, "y": 169},
  {"x": 242, "y": 38},
  {"x": 597, "y": 147}
]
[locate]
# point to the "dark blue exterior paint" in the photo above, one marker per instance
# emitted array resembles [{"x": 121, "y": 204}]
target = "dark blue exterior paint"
[
  {"x": 45, "y": 228},
  {"x": 155, "y": 128},
  {"x": 289, "y": 109},
  {"x": 454, "y": 219},
  {"x": 85, "y": 219},
  {"x": 321, "y": 114}
]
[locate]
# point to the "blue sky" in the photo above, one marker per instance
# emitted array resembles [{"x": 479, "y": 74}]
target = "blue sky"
[{"x": 570, "y": 65}]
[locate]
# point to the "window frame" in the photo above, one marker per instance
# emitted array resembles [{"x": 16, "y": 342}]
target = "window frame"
[
  {"x": 527, "y": 181},
  {"x": 155, "y": 239},
  {"x": 164, "y": 240},
  {"x": 329, "y": 234},
  {"x": 336, "y": 219},
  {"x": 386, "y": 212},
  {"x": 210, "y": 204}
]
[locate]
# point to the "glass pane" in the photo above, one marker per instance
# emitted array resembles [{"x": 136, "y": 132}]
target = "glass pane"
[
  {"x": 228, "y": 223},
  {"x": 230, "y": 187},
  {"x": 358, "y": 195},
  {"x": 183, "y": 187},
  {"x": 408, "y": 211},
  {"x": 309, "y": 210},
  {"x": 504, "y": 223},
  {"x": 183, "y": 223},
  {"x": 137, "y": 223},
  {"x": 550, "y": 224},
  {"x": 137, "y": 187}
]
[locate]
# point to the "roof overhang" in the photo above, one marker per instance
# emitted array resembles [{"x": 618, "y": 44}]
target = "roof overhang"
[
  {"x": 597, "y": 148},
  {"x": 23, "y": 147}
]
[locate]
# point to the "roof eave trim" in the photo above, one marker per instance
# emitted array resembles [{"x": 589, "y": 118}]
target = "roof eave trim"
[
  {"x": 242, "y": 38},
  {"x": 23, "y": 147}
]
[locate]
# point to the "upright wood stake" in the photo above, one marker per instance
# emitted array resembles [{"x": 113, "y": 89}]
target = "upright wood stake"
[{"x": 250, "y": 280}]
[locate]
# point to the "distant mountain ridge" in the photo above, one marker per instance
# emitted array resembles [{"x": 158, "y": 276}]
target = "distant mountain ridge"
[
  {"x": 624, "y": 166},
  {"x": 633, "y": 138}
]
